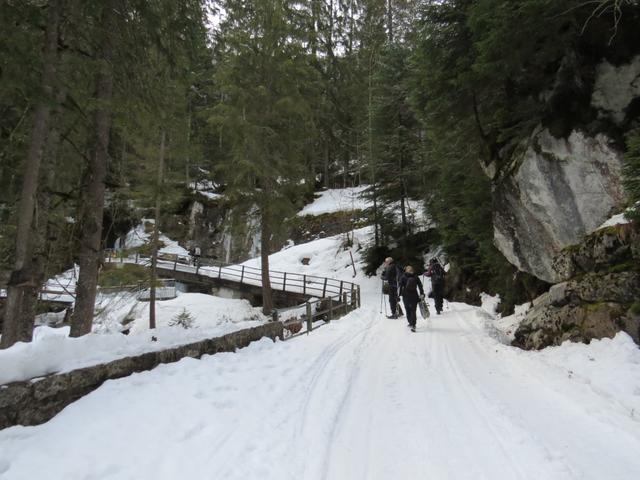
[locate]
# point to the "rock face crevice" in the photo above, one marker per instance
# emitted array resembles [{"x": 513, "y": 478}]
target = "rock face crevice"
[{"x": 37, "y": 401}]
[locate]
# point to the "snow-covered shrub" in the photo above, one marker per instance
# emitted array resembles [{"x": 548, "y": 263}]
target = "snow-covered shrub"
[{"x": 184, "y": 319}]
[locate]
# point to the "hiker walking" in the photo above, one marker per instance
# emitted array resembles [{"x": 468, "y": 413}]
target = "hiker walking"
[
  {"x": 391, "y": 276},
  {"x": 409, "y": 286},
  {"x": 436, "y": 273}
]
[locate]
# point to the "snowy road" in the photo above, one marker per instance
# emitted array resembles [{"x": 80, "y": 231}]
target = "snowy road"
[{"x": 361, "y": 398}]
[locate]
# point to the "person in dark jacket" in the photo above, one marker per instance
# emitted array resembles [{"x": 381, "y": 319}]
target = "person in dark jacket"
[
  {"x": 391, "y": 275},
  {"x": 410, "y": 284},
  {"x": 436, "y": 273}
]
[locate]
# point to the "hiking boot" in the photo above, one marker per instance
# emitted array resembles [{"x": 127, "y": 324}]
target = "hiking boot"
[
  {"x": 413, "y": 329},
  {"x": 392, "y": 317}
]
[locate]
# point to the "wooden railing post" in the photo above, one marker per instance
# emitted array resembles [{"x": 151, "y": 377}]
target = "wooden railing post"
[
  {"x": 330, "y": 308},
  {"x": 137, "y": 258},
  {"x": 242, "y": 275},
  {"x": 304, "y": 284},
  {"x": 175, "y": 264},
  {"x": 219, "y": 271},
  {"x": 309, "y": 318},
  {"x": 284, "y": 282},
  {"x": 344, "y": 301},
  {"x": 353, "y": 297},
  {"x": 341, "y": 282},
  {"x": 324, "y": 287}
]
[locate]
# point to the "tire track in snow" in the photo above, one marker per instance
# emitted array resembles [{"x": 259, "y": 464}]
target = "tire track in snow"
[{"x": 515, "y": 385}]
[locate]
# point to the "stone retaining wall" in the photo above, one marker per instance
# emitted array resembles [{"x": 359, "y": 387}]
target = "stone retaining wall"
[{"x": 37, "y": 401}]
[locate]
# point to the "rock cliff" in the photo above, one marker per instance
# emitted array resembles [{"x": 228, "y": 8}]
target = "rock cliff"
[{"x": 558, "y": 185}]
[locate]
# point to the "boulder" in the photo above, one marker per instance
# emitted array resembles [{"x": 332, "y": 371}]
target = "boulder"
[
  {"x": 601, "y": 299},
  {"x": 556, "y": 191}
]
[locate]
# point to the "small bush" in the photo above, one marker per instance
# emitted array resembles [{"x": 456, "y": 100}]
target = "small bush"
[
  {"x": 184, "y": 319},
  {"x": 118, "y": 275}
]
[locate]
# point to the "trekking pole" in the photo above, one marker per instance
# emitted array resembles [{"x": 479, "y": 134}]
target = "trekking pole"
[{"x": 381, "y": 295}]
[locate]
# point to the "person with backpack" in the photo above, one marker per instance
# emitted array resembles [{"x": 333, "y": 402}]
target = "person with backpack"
[
  {"x": 436, "y": 273},
  {"x": 391, "y": 275},
  {"x": 409, "y": 286}
]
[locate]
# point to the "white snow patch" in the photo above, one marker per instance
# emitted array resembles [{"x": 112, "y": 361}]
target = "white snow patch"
[
  {"x": 489, "y": 303},
  {"x": 619, "y": 219}
]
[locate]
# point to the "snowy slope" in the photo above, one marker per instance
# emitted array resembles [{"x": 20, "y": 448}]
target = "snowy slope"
[{"x": 360, "y": 398}]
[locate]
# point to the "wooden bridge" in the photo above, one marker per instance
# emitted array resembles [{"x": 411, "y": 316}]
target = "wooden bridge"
[{"x": 315, "y": 297}]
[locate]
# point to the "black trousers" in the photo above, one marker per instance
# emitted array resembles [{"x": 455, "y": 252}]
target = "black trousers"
[
  {"x": 410, "y": 305},
  {"x": 393, "y": 299},
  {"x": 438, "y": 295}
]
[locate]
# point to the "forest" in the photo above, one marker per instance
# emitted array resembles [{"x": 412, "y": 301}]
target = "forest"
[{"x": 112, "y": 109}]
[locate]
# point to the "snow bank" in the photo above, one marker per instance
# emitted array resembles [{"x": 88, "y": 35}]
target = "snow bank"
[
  {"x": 53, "y": 351},
  {"x": 609, "y": 367}
]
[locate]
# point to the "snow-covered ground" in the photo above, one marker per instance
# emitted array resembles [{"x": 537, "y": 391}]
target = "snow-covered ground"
[
  {"x": 337, "y": 200},
  {"x": 52, "y": 350},
  {"x": 360, "y": 398}
]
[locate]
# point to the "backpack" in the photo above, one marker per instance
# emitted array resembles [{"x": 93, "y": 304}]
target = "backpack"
[
  {"x": 411, "y": 286},
  {"x": 437, "y": 273}
]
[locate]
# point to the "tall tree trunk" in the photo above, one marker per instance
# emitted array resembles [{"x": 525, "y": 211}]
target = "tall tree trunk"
[
  {"x": 390, "y": 20},
  {"x": 24, "y": 284},
  {"x": 188, "y": 162},
  {"x": 403, "y": 192},
  {"x": 265, "y": 249},
  {"x": 93, "y": 188},
  {"x": 327, "y": 183},
  {"x": 156, "y": 236},
  {"x": 371, "y": 159}
]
